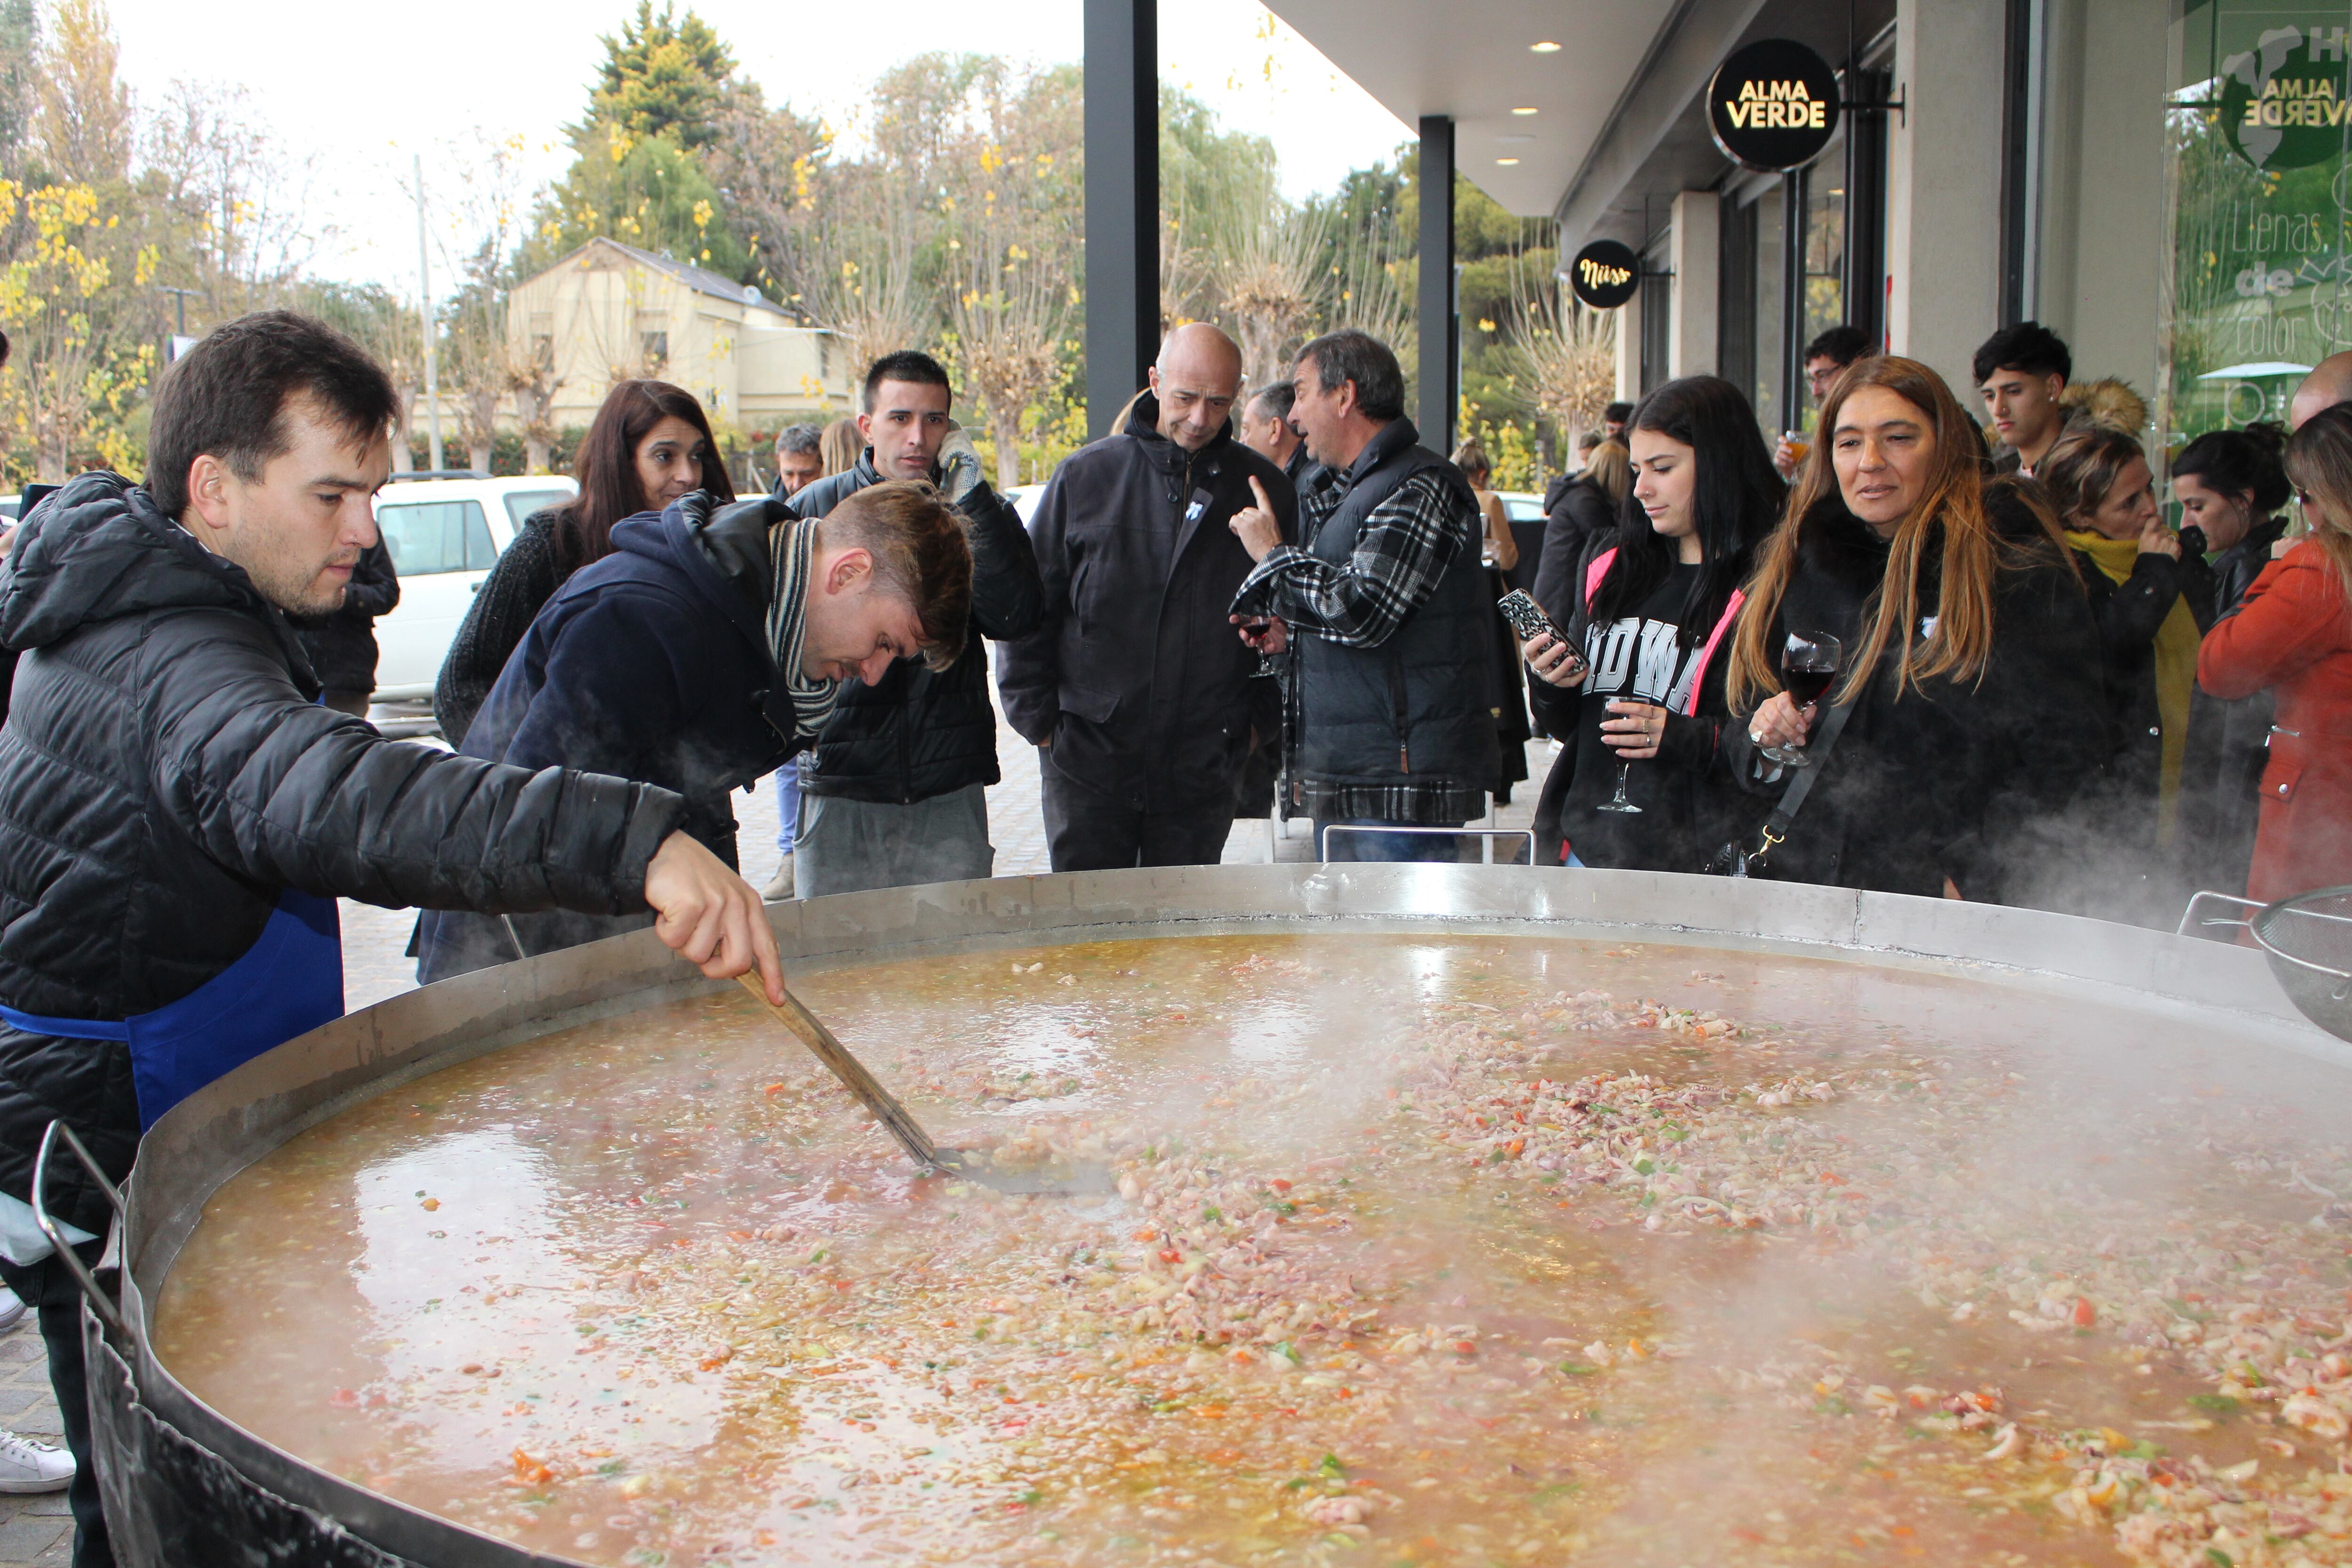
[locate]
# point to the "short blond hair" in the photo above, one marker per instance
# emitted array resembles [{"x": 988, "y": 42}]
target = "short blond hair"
[{"x": 921, "y": 553}]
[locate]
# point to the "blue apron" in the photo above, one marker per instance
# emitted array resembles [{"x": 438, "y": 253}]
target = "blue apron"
[{"x": 288, "y": 984}]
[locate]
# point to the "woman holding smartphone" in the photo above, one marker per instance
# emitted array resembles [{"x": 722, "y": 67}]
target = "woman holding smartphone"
[{"x": 1641, "y": 708}]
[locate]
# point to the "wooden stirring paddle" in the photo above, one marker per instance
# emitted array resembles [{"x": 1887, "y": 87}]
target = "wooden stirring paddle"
[{"x": 917, "y": 1144}]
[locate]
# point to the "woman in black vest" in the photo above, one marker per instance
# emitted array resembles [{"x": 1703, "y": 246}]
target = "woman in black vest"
[
  {"x": 649, "y": 445},
  {"x": 1652, "y": 606},
  {"x": 1972, "y": 664}
]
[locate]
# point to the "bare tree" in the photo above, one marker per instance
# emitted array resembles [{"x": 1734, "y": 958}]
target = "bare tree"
[
  {"x": 83, "y": 128},
  {"x": 531, "y": 377},
  {"x": 1563, "y": 357},
  {"x": 1369, "y": 288},
  {"x": 238, "y": 200},
  {"x": 1014, "y": 245},
  {"x": 1270, "y": 289}
]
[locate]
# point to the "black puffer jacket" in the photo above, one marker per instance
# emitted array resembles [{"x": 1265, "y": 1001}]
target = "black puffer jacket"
[
  {"x": 165, "y": 774},
  {"x": 919, "y": 733},
  {"x": 342, "y": 643},
  {"x": 1981, "y": 781},
  {"x": 1135, "y": 675},
  {"x": 526, "y": 576},
  {"x": 2221, "y": 797}
]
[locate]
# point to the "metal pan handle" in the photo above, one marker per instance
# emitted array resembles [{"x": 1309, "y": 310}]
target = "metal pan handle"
[
  {"x": 107, "y": 1311},
  {"x": 2189, "y": 916}
]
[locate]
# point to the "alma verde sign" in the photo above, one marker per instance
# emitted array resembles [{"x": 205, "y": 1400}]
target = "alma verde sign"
[
  {"x": 1773, "y": 105},
  {"x": 1605, "y": 274}
]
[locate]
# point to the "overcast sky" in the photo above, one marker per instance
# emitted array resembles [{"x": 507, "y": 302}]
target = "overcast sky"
[{"x": 362, "y": 88}]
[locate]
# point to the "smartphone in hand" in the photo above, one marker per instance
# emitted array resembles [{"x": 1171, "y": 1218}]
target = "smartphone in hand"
[{"x": 1527, "y": 619}]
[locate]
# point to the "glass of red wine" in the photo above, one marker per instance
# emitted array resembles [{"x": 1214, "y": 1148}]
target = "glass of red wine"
[{"x": 1807, "y": 665}]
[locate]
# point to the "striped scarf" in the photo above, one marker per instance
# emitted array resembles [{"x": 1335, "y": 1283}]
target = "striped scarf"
[{"x": 791, "y": 545}]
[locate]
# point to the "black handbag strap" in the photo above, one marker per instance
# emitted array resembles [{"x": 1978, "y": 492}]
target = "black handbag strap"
[{"x": 1793, "y": 799}]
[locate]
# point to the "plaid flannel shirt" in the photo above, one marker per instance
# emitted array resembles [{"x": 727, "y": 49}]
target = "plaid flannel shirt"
[{"x": 1406, "y": 545}]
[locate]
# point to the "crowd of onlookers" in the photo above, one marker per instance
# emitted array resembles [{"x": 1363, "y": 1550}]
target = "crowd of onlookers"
[
  {"x": 1910, "y": 650},
  {"x": 2040, "y": 691}
]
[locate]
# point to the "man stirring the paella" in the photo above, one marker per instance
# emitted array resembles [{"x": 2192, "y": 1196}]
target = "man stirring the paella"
[{"x": 178, "y": 814}]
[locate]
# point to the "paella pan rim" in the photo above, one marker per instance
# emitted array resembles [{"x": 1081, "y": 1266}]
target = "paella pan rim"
[{"x": 215, "y": 1133}]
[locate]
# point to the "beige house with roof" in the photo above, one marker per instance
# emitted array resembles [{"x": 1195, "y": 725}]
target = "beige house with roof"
[{"x": 608, "y": 311}]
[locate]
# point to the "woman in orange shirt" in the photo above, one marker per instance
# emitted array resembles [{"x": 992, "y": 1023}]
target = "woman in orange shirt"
[{"x": 2292, "y": 635}]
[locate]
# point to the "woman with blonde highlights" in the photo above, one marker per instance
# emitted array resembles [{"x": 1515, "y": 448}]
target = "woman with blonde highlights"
[
  {"x": 2292, "y": 635},
  {"x": 1972, "y": 666}
]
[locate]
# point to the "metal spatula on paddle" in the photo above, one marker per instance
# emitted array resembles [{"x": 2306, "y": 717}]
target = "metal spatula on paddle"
[{"x": 1078, "y": 1180}]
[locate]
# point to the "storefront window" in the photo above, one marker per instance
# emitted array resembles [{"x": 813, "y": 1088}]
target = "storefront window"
[
  {"x": 2258, "y": 184},
  {"x": 1825, "y": 252}
]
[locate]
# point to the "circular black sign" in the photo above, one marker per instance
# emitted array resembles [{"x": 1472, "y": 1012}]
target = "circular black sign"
[
  {"x": 1605, "y": 274},
  {"x": 1772, "y": 105}
]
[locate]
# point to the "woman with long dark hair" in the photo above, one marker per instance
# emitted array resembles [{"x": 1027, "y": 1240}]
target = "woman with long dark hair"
[
  {"x": 1650, "y": 606},
  {"x": 2292, "y": 637},
  {"x": 649, "y": 445},
  {"x": 2152, "y": 599},
  {"x": 1970, "y": 668},
  {"x": 2232, "y": 488}
]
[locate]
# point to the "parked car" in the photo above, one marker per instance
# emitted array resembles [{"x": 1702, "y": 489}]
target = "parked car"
[{"x": 444, "y": 535}]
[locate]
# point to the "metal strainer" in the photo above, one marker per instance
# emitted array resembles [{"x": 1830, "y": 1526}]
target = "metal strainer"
[{"x": 2309, "y": 940}]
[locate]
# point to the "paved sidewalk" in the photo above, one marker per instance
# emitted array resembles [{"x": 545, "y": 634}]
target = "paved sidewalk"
[{"x": 32, "y": 1528}]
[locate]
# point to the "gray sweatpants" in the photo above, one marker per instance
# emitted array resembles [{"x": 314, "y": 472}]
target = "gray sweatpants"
[{"x": 851, "y": 846}]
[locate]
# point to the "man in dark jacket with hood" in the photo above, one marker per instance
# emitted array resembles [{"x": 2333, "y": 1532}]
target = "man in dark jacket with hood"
[
  {"x": 1388, "y": 596},
  {"x": 1135, "y": 689},
  {"x": 178, "y": 814},
  {"x": 708, "y": 649},
  {"x": 895, "y": 791}
]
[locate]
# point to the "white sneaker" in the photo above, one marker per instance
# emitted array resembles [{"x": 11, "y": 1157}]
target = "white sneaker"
[
  {"x": 29, "y": 1467},
  {"x": 12, "y": 1310}
]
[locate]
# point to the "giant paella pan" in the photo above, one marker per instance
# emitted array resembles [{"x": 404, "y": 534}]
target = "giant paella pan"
[{"x": 1464, "y": 1215}]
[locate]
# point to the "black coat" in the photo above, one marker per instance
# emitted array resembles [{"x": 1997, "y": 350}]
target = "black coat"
[
  {"x": 1134, "y": 675},
  {"x": 342, "y": 643},
  {"x": 525, "y": 578},
  {"x": 1583, "y": 514},
  {"x": 165, "y": 774},
  {"x": 651, "y": 664},
  {"x": 920, "y": 733},
  {"x": 2144, "y": 881},
  {"x": 2220, "y": 802},
  {"x": 1978, "y": 781}
]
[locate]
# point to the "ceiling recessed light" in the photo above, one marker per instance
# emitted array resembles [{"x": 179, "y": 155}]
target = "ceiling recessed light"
[
  {"x": 1507, "y": 162},
  {"x": 1545, "y": 47},
  {"x": 1523, "y": 112}
]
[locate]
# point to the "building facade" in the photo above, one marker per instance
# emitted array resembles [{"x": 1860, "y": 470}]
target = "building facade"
[
  {"x": 2163, "y": 182},
  {"x": 609, "y": 311}
]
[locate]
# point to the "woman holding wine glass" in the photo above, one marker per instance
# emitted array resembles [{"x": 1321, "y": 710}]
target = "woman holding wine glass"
[
  {"x": 1636, "y": 689},
  {"x": 1966, "y": 660}
]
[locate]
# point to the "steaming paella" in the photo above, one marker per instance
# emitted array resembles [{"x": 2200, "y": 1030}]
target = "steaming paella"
[{"x": 1476, "y": 1250}]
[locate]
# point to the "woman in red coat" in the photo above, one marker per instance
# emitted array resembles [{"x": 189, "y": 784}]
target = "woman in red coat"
[{"x": 2293, "y": 634}]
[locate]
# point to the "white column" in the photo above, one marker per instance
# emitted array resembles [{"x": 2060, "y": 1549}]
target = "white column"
[
  {"x": 1943, "y": 223},
  {"x": 2103, "y": 249},
  {"x": 1629, "y": 349},
  {"x": 1695, "y": 246}
]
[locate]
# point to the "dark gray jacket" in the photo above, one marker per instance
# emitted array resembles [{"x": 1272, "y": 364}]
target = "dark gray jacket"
[
  {"x": 920, "y": 734},
  {"x": 1134, "y": 675}
]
